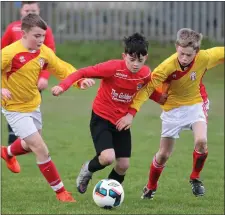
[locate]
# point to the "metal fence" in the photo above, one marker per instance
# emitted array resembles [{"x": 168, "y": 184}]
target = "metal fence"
[{"x": 113, "y": 20}]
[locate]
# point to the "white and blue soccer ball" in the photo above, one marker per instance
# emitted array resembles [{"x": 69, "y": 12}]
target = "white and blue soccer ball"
[{"x": 108, "y": 193}]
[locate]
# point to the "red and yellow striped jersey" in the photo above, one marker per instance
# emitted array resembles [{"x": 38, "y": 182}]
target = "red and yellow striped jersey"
[
  {"x": 20, "y": 70},
  {"x": 184, "y": 87}
]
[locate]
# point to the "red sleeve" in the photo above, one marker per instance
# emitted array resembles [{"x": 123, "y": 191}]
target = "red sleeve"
[
  {"x": 6, "y": 38},
  {"x": 156, "y": 95},
  {"x": 102, "y": 70},
  {"x": 132, "y": 111},
  {"x": 44, "y": 74},
  {"x": 49, "y": 39}
]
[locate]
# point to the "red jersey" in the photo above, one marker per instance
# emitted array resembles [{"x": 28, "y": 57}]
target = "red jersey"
[
  {"x": 117, "y": 88},
  {"x": 13, "y": 33}
]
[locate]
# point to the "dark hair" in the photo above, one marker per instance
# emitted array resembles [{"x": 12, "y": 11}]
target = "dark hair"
[
  {"x": 33, "y": 20},
  {"x": 136, "y": 45},
  {"x": 29, "y": 2}
]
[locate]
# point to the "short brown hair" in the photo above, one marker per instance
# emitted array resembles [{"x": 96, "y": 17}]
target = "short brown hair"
[
  {"x": 33, "y": 20},
  {"x": 187, "y": 37},
  {"x": 29, "y": 2}
]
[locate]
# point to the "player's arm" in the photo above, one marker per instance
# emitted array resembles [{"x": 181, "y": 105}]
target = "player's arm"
[
  {"x": 216, "y": 56},
  {"x": 160, "y": 94},
  {"x": 141, "y": 97},
  {"x": 6, "y": 38},
  {"x": 6, "y": 58},
  {"x": 102, "y": 70},
  {"x": 57, "y": 67},
  {"x": 158, "y": 77}
]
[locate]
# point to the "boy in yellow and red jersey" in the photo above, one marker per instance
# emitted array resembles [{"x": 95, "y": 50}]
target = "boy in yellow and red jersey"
[
  {"x": 13, "y": 33},
  {"x": 22, "y": 62},
  {"x": 186, "y": 106}
]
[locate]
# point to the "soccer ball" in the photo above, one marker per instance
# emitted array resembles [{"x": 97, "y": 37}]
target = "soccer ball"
[{"x": 108, "y": 193}]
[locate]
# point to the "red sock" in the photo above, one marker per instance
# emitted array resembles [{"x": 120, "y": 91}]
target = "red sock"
[
  {"x": 16, "y": 148},
  {"x": 154, "y": 174},
  {"x": 51, "y": 174},
  {"x": 198, "y": 163}
]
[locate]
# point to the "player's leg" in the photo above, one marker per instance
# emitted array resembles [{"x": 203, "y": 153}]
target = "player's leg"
[
  {"x": 171, "y": 128},
  {"x": 105, "y": 155},
  {"x": 122, "y": 147},
  {"x": 119, "y": 171},
  {"x": 47, "y": 167},
  {"x": 200, "y": 154},
  {"x": 18, "y": 147},
  {"x": 30, "y": 139},
  {"x": 199, "y": 116},
  {"x": 11, "y": 136},
  {"x": 44, "y": 161},
  {"x": 157, "y": 166}
]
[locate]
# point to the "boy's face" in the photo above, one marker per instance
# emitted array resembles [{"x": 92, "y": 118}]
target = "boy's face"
[
  {"x": 133, "y": 63},
  {"x": 29, "y": 8},
  {"x": 185, "y": 55},
  {"x": 34, "y": 38}
]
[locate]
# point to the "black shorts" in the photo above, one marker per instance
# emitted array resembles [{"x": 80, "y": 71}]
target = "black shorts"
[{"x": 106, "y": 136}]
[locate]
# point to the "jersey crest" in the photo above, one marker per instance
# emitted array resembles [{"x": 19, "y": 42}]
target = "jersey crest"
[
  {"x": 42, "y": 62},
  {"x": 139, "y": 86},
  {"x": 193, "y": 76}
]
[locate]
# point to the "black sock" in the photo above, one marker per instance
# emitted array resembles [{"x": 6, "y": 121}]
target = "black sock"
[
  {"x": 12, "y": 137},
  {"x": 94, "y": 165},
  {"x": 114, "y": 175}
]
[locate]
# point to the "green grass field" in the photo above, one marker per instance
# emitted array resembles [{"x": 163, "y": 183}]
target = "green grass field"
[{"x": 66, "y": 132}]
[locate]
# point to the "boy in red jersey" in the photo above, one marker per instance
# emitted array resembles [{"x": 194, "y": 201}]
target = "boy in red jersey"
[
  {"x": 13, "y": 33},
  {"x": 186, "y": 106},
  {"x": 121, "y": 80},
  {"x": 22, "y": 62}
]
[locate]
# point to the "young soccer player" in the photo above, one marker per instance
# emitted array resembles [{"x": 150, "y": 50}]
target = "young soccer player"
[
  {"x": 186, "y": 106},
  {"x": 121, "y": 80},
  {"x": 22, "y": 62},
  {"x": 13, "y": 33}
]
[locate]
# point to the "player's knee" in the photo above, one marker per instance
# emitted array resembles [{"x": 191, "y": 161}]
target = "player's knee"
[
  {"x": 201, "y": 144},
  {"x": 122, "y": 166},
  {"x": 107, "y": 157},
  {"x": 105, "y": 160}
]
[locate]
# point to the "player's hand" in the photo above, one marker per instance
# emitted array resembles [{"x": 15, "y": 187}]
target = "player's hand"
[
  {"x": 6, "y": 94},
  {"x": 86, "y": 83},
  {"x": 42, "y": 83},
  {"x": 57, "y": 90},
  {"x": 124, "y": 122},
  {"x": 163, "y": 98}
]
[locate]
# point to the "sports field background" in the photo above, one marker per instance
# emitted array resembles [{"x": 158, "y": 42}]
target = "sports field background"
[{"x": 66, "y": 132}]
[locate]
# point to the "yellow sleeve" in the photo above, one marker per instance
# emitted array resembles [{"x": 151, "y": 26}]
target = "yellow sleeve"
[
  {"x": 158, "y": 77},
  {"x": 59, "y": 68},
  {"x": 142, "y": 96},
  {"x": 216, "y": 56},
  {"x": 6, "y": 58}
]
